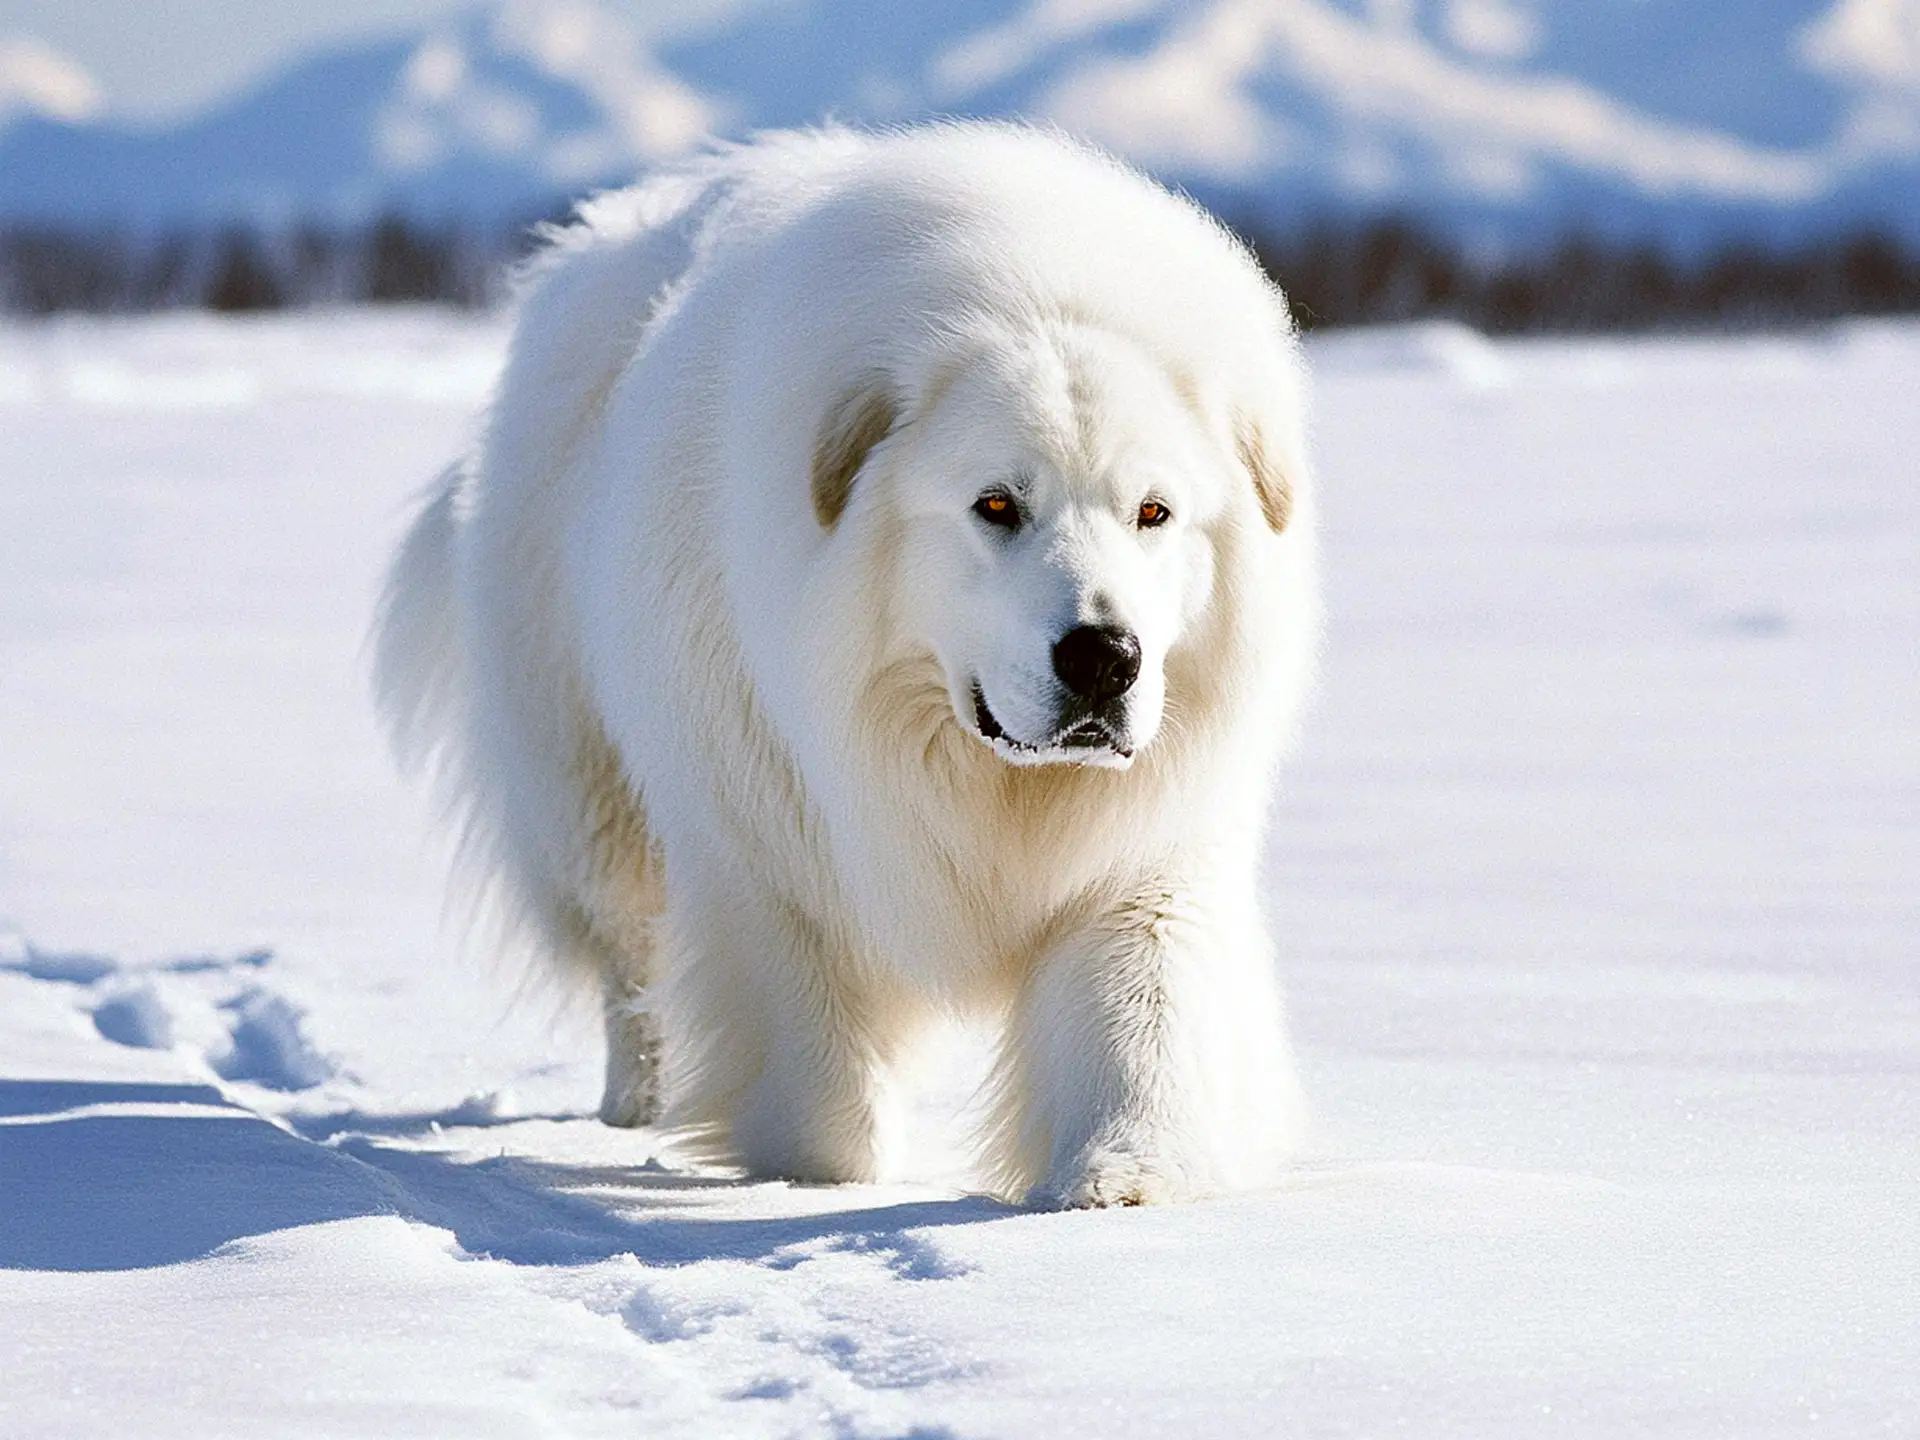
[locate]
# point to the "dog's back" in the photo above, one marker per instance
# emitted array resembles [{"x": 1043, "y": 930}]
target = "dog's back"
[{"x": 475, "y": 675}]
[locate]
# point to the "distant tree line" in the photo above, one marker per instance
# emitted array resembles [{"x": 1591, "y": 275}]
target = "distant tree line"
[
  {"x": 44, "y": 270},
  {"x": 1368, "y": 272},
  {"x": 1394, "y": 270}
]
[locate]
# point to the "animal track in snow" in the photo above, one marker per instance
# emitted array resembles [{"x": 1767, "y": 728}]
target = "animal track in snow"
[
  {"x": 269, "y": 1044},
  {"x": 136, "y": 1017},
  {"x": 210, "y": 1006}
]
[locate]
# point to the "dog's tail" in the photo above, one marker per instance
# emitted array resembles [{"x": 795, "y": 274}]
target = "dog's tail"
[{"x": 419, "y": 671}]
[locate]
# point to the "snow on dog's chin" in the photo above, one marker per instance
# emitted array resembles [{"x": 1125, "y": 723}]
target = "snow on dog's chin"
[
  {"x": 1101, "y": 757},
  {"x": 1108, "y": 753}
]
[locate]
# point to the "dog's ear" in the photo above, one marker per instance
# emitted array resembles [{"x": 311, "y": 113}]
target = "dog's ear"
[
  {"x": 1272, "y": 475},
  {"x": 860, "y": 420}
]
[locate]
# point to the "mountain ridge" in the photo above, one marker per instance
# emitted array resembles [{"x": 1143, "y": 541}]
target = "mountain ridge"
[{"x": 1504, "y": 121}]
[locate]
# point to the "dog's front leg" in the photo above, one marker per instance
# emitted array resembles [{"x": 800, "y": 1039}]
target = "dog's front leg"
[
  {"x": 1147, "y": 1060},
  {"x": 782, "y": 1052}
]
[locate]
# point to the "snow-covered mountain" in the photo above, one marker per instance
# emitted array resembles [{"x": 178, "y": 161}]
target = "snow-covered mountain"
[{"x": 1681, "y": 118}]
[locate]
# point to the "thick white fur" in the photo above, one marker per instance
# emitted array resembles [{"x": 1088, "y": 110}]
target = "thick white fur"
[{"x": 710, "y": 729}]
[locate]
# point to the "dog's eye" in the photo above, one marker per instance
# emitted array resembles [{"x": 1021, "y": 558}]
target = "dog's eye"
[
  {"x": 997, "y": 507},
  {"x": 1153, "y": 514}
]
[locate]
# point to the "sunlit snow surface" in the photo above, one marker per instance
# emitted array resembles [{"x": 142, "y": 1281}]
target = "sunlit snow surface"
[{"x": 1597, "y": 880}]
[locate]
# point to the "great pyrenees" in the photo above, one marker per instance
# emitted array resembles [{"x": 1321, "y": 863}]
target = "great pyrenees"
[{"x": 882, "y": 590}]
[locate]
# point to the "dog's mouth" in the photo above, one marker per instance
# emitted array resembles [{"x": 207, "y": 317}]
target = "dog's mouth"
[{"x": 1090, "y": 740}]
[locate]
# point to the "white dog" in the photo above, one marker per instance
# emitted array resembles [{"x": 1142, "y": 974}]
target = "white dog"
[{"x": 883, "y": 590}]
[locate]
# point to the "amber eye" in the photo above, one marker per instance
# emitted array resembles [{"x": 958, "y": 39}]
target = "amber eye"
[
  {"x": 997, "y": 507},
  {"x": 1153, "y": 514}
]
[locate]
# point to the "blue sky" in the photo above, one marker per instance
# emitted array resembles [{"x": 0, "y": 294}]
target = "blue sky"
[{"x": 155, "y": 59}]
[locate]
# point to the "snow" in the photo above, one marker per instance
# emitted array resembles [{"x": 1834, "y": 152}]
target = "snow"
[
  {"x": 1392, "y": 86},
  {"x": 1595, "y": 884},
  {"x": 37, "y": 79}
]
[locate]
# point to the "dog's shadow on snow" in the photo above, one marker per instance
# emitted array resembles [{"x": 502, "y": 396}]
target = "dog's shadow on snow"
[{"x": 102, "y": 1176}]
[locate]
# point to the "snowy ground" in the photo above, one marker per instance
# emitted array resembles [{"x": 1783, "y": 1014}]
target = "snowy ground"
[{"x": 1598, "y": 881}]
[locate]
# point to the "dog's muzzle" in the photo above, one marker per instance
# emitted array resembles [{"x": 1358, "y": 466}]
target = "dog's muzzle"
[
  {"x": 1082, "y": 736},
  {"x": 1096, "y": 666}
]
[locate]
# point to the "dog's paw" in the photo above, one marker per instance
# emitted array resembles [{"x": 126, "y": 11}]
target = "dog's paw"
[
  {"x": 629, "y": 1109},
  {"x": 631, "y": 1097},
  {"x": 1110, "y": 1178}
]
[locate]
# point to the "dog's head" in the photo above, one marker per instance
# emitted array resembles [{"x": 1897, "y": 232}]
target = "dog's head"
[{"x": 1057, "y": 499}]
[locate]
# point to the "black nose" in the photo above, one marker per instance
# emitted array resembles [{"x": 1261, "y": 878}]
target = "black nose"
[{"x": 1097, "y": 662}]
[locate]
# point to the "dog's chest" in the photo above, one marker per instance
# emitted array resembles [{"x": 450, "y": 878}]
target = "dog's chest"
[{"x": 947, "y": 902}]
